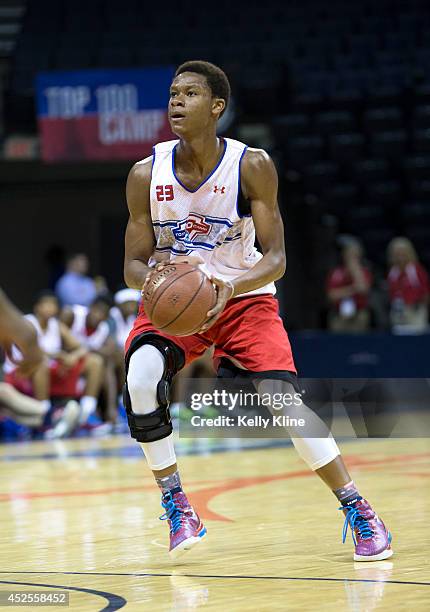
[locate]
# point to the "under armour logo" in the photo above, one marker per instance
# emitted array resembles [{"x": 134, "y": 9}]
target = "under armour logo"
[{"x": 221, "y": 189}]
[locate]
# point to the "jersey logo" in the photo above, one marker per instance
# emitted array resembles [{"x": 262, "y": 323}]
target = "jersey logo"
[
  {"x": 192, "y": 227},
  {"x": 164, "y": 193},
  {"x": 220, "y": 189}
]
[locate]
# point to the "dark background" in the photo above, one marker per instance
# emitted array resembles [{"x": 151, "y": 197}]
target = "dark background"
[{"x": 338, "y": 92}]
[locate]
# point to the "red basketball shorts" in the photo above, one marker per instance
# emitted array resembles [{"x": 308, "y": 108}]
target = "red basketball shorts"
[
  {"x": 63, "y": 383},
  {"x": 249, "y": 330}
]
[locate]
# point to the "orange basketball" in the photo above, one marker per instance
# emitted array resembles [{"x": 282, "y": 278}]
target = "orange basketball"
[{"x": 178, "y": 298}]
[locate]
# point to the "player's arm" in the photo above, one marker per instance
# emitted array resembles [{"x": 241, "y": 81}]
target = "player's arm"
[
  {"x": 15, "y": 329},
  {"x": 67, "y": 316},
  {"x": 139, "y": 235},
  {"x": 260, "y": 187},
  {"x": 73, "y": 349}
]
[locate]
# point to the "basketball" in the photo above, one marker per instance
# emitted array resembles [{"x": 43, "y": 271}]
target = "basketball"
[{"x": 178, "y": 298}]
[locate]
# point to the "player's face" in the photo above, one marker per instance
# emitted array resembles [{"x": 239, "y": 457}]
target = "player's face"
[
  {"x": 191, "y": 105},
  {"x": 81, "y": 264},
  {"x": 98, "y": 313},
  {"x": 47, "y": 308},
  {"x": 128, "y": 308},
  {"x": 401, "y": 255}
]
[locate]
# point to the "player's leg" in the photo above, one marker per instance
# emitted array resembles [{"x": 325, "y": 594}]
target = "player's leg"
[
  {"x": 41, "y": 385},
  {"x": 24, "y": 409},
  {"x": 322, "y": 455},
  {"x": 151, "y": 363},
  {"x": 92, "y": 368},
  {"x": 240, "y": 337},
  {"x": 29, "y": 411}
]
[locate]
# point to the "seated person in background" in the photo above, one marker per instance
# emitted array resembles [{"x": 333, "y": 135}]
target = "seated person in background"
[
  {"x": 90, "y": 327},
  {"x": 16, "y": 330},
  {"x": 348, "y": 288},
  {"x": 124, "y": 314},
  {"x": 75, "y": 286},
  {"x": 408, "y": 286},
  {"x": 66, "y": 360}
]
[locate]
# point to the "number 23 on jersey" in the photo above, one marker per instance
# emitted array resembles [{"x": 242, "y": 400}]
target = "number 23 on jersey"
[{"x": 164, "y": 193}]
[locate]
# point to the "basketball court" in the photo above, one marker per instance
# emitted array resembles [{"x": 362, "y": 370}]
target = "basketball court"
[{"x": 82, "y": 516}]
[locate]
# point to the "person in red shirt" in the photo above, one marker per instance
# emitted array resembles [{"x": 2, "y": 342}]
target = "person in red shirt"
[
  {"x": 408, "y": 286},
  {"x": 348, "y": 288}
]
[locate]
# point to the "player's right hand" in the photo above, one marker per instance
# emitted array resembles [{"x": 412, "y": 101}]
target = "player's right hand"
[{"x": 158, "y": 267}]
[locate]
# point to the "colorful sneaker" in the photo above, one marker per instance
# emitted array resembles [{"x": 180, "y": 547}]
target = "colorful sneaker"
[
  {"x": 371, "y": 538},
  {"x": 95, "y": 427},
  {"x": 67, "y": 422},
  {"x": 186, "y": 529}
]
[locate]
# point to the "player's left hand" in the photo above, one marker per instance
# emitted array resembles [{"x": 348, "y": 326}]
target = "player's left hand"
[{"x": 225, "y": 291}]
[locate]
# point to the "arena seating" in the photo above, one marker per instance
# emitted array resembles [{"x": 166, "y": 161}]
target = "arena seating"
[{"x": 344, "y": 85}]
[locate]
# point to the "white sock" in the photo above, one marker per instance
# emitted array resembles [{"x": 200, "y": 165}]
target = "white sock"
[
  {"x": 46, "y": 404},
  {"x": 144, "y": 373},
  {"x": 88, "y": 406},
  {"x": 316, "y": 452}
]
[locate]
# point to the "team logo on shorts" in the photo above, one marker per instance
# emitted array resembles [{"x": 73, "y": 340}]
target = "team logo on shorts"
[{"x": 196, "y": 225}]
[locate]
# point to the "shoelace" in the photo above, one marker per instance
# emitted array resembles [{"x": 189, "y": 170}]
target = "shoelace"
[
  {"x": 356, "y": 520},
  {"x": 173, "y": 512}
]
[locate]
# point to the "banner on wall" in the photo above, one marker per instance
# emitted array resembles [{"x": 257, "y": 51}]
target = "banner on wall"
[{"x": 102, "y": 114}]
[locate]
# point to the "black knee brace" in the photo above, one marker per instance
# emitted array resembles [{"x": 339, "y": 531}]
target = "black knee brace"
[{"x": 155, "y": 425}]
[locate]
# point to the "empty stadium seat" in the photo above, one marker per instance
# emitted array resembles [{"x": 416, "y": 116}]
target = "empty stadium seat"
[
  {"x": 379, "y": 119},
  {"x": 417, "y": 167},
  {"x": 421, "y": 141},
  {"x": 320, "y": 176},
  {"x": 420, "y": 190},
  {"x": 347, "y": 147},
  {"x": 370, "y": 170},
  {"x": 391, "y": 144},
  {"x": 340, "y": 198},
  {"x": 304, "y": 149},
  {"x": 383, "y": 193},
  {"x": 421, "y": 117},
  {"x": 416, "y": 213},
  {"x": 335, "y": 122},
  {"x": 347, "y": 99},
  {"x": 288, "y": 126},
  {"x": 361, "y": 218},
  {"x": 375, "y": 241}
]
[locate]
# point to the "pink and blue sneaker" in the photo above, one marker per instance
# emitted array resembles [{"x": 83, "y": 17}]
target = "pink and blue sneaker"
[
  {"x": 371, "y": 538},
  {"x": 186, "y": 528}
]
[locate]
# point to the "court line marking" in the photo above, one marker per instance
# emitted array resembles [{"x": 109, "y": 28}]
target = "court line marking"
[
  {"x": 221, "y": 576},
  {"x": 133, "y": 451},
  {"x": 115, "y": 602},
  {"x": 202, "y": 497}
]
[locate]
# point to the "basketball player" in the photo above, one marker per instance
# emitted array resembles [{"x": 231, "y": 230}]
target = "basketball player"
[
  {"x": 89, "y": 326},
  {"x": 16, "y": 330},
  {"x": 65, "y": 361},
  {"x": 203, "y": 198}
]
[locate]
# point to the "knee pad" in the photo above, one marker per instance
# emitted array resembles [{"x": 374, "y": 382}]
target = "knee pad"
[{"x": 155, "y": 425}]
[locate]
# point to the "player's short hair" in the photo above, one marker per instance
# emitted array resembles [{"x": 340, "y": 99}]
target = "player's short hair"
[
  {"x": 102, "y": 300},
  {"x": 71, "y": 256},
  {"x": 216, "y": 78},
  {"x": 45, "y": 294}
]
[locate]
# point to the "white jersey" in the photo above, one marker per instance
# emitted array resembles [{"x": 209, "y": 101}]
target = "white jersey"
[
  {"x": 203, "y": 225},
  {"x": 123, "y": 326},
  {"x": 97, "y": 338},
  {"x": 49, "y": 340}
]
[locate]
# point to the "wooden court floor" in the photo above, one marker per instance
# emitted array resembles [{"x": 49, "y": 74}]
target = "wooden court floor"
[{"x": 82, "y": 515}]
